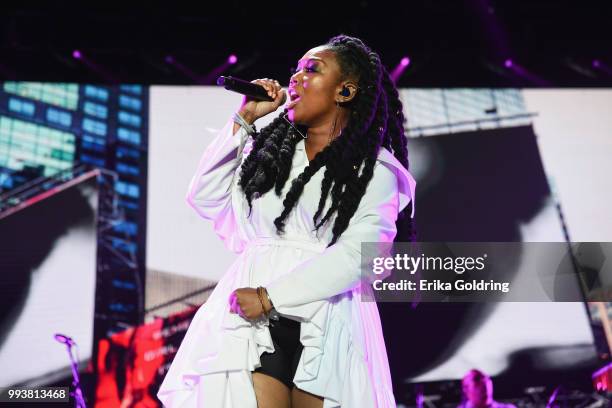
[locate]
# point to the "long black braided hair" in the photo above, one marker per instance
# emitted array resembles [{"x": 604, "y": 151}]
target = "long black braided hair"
[{"x": 376, "y": 120}]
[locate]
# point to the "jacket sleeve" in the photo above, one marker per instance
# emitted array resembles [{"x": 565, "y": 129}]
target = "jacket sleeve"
[
  {"x": 338, "y": 268},
  {"x": 210, "y": 189}
]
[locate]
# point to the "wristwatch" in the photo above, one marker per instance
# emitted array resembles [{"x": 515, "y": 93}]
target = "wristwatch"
[{"x": 273, "y": 314}]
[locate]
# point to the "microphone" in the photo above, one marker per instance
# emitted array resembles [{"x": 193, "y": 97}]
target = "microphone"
[
  {"x": 64, "y": 339},
  {"x": 244, "y": 87}
]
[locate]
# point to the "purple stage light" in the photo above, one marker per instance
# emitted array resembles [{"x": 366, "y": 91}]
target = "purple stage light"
[
  {"x": 399, "y": 69},
  {"x": 76, "y": 54},
  {"x": 596, "y": 63},
  {"x": 508, "y": 63},
  {"x": 232, "y": 59},
  {"x": 169, "y": 59}
]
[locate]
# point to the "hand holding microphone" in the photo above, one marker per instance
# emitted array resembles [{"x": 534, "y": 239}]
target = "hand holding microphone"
[{"x": 253, "y": 104}]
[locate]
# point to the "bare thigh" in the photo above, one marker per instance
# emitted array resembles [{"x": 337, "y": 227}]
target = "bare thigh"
[
  {"x": 270, "y": 392},
  {"x": 304, "y": 399}
]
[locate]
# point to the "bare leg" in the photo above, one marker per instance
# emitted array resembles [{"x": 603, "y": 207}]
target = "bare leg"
[
  {"x": 303, "y": 399},
  {"x": 270, "y": 392}
]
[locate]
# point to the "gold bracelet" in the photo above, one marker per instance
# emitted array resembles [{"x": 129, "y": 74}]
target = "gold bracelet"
[
  {"x": 269, "y": 300},
  {"x": 259, "y": 290}
]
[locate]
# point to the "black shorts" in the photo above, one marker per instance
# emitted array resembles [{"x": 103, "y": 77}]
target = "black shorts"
[{"x": 283, "y": 363}]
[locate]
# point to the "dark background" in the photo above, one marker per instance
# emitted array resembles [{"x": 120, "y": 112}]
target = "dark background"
[{"x": 450, "y": 42}]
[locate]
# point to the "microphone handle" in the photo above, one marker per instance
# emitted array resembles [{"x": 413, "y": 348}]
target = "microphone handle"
[{"x": 244, "y": 87}]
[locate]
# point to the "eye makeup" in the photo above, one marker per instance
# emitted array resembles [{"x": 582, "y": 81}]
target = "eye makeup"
[
  {"x": 308, "y": 68},
  {"x": 312, "y": 65}
]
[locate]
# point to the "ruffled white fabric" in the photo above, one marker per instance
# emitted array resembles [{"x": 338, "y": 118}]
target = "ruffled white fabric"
[{"x": 344, "y": 358}]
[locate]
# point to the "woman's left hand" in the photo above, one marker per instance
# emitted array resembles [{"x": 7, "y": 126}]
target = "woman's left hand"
[{"x": 245, "y": 302}]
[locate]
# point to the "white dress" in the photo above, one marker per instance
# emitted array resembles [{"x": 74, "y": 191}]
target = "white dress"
[{"x": 344, "y": 358}]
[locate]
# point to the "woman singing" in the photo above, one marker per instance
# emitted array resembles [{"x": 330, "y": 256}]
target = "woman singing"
[{"x": 286, "y": 326}]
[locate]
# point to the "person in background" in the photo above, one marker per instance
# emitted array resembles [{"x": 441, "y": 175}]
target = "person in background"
[{"x": 478, "y": 392}]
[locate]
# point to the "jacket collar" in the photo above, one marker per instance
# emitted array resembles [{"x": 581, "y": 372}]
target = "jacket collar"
[{"x": 406, "y": 183}]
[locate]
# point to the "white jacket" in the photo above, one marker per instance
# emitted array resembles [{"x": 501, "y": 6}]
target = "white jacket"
[{"x": 344, "y": 357}]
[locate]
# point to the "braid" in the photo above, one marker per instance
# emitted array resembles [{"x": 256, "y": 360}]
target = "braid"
[
  {"x": 269, "y": 160},
  {"x": 325, "y": 187},
  {"x": 297, "y": 187},
  {"x": 286, "y": 153},
  {"x": 369, "y": 115},
  {"x": 356, "y": 187},
  {"x": 397, "y": 121},
  {"x": 336, "y": 194}
]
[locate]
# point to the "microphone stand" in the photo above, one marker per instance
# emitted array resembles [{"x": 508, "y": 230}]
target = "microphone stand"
[{"x": 79, "y": 401}]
